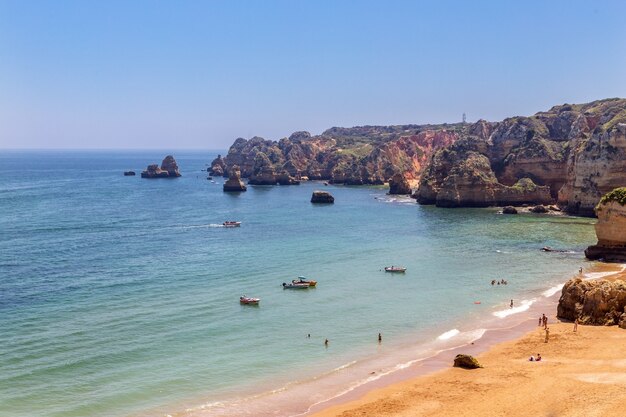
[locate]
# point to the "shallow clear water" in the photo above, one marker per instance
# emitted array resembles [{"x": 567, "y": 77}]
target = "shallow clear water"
[{"x": 119, "y": 295}]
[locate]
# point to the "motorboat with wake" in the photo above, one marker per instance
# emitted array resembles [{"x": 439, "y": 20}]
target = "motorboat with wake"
[{"x": 231, "y": 224}]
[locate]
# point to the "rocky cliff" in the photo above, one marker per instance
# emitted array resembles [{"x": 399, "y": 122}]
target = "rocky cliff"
[
  {"x": 598, "y": 302},
  {"x": 610, "y": 228},
  {"x": 571, "y": 154},
  {"x": 354, "y": 156}
]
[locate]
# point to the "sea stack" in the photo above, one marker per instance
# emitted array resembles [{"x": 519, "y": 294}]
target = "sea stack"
[
  {"x": 610, "y": 228},
  {"x": 234, "y": 182},
  {"x": 168, "y": 169},
  {"x": 322, "y": 197}
]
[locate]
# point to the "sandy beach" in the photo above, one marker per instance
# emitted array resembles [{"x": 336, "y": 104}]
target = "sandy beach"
[{"x": 581, "y": 374}]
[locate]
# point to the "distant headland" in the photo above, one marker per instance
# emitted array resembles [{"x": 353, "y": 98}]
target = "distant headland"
[{"x": 571, "y": 154}]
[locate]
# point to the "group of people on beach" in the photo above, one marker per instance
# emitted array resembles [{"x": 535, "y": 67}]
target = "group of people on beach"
[{"x": 502, "y": 281}]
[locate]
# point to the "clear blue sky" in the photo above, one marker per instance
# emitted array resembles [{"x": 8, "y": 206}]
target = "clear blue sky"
[{"x": 198, "y": 74}]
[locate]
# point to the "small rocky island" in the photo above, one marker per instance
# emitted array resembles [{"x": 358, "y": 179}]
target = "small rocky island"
[
  {"x": 168, "y": 169},
  {"x": 610, "y": 228},
  {"x": 322, "y": 197}
]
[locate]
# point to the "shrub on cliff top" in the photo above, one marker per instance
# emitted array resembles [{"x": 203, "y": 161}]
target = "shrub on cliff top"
[{"x": 618, "y": 194}]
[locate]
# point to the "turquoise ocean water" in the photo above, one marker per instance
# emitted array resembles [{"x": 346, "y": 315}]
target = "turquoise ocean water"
[{"x": 119, "y": 295}]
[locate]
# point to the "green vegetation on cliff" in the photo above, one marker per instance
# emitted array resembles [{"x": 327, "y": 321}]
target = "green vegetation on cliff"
[{"x": 618, "y": 195}]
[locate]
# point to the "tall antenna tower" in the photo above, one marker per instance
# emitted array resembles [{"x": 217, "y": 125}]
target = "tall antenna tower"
[{"x": 463, "y": 118}]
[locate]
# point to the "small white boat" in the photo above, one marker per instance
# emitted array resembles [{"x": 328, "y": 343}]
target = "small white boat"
[
  {"x": 231, "y": 224},
  {"x": 248, "y": 300},
  {"x": 295, "y": 286},
  {"x": 395, "y": 269}
]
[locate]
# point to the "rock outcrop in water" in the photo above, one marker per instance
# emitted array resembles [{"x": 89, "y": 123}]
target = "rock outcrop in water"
[
  {"x": 571, "y": 153},
  {"x": 598, "y": 302},
  {"x": 234, "y": 182},
  {"x": 322, "y": 197},
  {"x": 168, "y": 169},
  {"x": 610, "y": 228},
  {"x": 218, "y": 167}
]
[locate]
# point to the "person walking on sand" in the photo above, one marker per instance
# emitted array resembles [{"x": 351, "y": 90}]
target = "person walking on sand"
[
  {"x": 540, "y": 321},
  {"x": 580, "y": 270},
  {"x": 544, "y": 320},
  {"x": 511, "y": 303},
  {"x": 575, "y": 324},
  {"x": 547, "y": 335}
]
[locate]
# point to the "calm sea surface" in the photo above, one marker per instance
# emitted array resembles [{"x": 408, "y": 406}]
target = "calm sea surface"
[{"x": 119, "y": 295}]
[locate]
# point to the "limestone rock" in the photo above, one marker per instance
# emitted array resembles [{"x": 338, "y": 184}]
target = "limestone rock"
[
  {"x": 168, "y": 169},
  {"x": 234, "y": 182},
  {"x": 598, "y": 302},
  {"x": 263, "y": 171},
  {"x": 322, "y": 197},
  {"x": 509, "y": 210},
  {"x": 285, "y": 179},
  {"x": 398, "y": 184},
  {"x": 466, "y": 362},
  {"x": 539, "y": 209},
  {"x": 218, "y": 167},
  {"x": 169, "y": 164},
  {"x": 610, "y": 228},
  {"x": 352, "y": 156},
  {"x": 129, "y": 173}
]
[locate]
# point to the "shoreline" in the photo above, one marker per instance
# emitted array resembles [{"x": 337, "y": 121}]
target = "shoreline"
[
  {"x": 399, "y": 396},
  {"x": 361, "y": 378}
]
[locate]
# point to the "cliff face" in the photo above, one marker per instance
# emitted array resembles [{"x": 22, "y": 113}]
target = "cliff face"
[
  {"x": 610, "y": 228},
  {"x": 355, "y": 156},
  {"x": 573, "y": 153}
]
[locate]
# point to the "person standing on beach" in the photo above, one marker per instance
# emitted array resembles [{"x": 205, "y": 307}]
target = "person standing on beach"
[
  {"x": 575, "y": 324},
  {"x": 326, "y": 342},
  {"x": 580, "y": 270},
  {"x": 511, "y": 303},
  {"x": 547, "y": 335},
  {"x": 544, "y": 319},
  {"x": 540, "y": 321},
  {"x": 380, "y": 338}
]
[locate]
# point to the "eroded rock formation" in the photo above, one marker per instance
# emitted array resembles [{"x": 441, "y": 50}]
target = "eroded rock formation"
[
  {"x": 234, "y": 182},
  {"x": 168, "y": 169},
  {"x": 354, "y": 156},
  {"x": 573, "y": 153},
  {"x": 610, "y": 228},
  {"x": 598, "y": 302}
]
